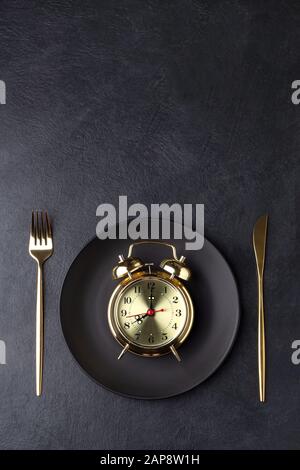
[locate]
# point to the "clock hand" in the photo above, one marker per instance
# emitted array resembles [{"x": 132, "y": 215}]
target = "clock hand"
[
  {"x": 152, "y": 311},
  {"x": 149, "y": 312},
  {"x": 137, "y": 315},
  {"x": 151, "y": 298},
  {"x": 139, "y": 319}
]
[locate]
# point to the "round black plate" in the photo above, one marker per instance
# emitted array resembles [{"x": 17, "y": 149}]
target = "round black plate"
[{"x": 84, "y": 299}]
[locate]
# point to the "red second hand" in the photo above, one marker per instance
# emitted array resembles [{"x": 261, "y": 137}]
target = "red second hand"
[{"x": 149, "y": 312}]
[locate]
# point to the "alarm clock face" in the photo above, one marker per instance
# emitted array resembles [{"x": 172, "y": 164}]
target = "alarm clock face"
[{"x": 150, "y": 313}]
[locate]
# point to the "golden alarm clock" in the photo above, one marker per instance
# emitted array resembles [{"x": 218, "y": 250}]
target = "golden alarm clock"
[{"x": 150, "y": 312}]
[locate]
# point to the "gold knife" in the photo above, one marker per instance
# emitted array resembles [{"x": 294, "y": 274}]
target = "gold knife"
[{"x": 259, "y": 245}]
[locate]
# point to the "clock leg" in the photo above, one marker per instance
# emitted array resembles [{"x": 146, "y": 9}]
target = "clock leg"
[
  {"x": 175, "y": 353},
  {"x": 126, "y": 347}
]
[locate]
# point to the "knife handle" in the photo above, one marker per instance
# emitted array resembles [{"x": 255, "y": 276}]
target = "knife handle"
[{"x": 261, "y": 341}]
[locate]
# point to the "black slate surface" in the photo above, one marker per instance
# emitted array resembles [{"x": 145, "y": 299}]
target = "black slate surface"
[{"x": 174, "y": 101}]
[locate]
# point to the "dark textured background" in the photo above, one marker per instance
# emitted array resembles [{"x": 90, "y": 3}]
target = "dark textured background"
[{"x": 185, "y": 101}]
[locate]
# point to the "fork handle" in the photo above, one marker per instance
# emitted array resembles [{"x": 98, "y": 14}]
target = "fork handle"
[
  {"x": 39, "y": 329},
  {"x": 261, "y": 342}
]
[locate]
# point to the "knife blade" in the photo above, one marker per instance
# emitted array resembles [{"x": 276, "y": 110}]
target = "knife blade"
[{"x": 259, "y": 242}]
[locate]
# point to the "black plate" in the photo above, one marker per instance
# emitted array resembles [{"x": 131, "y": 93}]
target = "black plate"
[{"x": 84, "y": 299}]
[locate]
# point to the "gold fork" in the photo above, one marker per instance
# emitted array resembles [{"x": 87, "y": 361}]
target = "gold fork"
[{"x": 40, "y": 248}]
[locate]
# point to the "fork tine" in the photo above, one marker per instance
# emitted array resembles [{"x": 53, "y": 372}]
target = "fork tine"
[
  {"x": 38, "y": 230},
  {"x": 32, "y": 227},
  {"x": 48, "y": 226},
  {"x": 43, "y": 228}
]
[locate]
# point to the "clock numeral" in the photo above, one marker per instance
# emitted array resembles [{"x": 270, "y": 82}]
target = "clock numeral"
[
  {"x": 137, "y": 336},
  {"x": 127, "y": 325},
  {"x": 127, "y": 300},
  {"x": 175, "y": 299},
  {"x": 151, "y": 339},
  {"x": 164, "y": 336},
  {"x": 174, "y": 326},
  {"x": 123, "y": 313},
  {"x": 178, "y": 312},
  {"x": 165, "y": 289},
  {"x": 137, "y": 289},
  {"x": 151, "y": 285}
]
